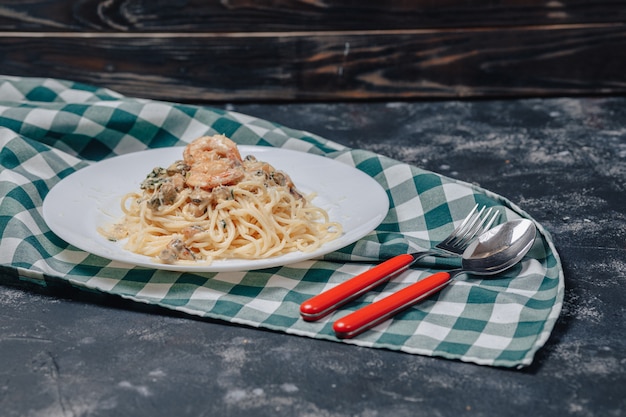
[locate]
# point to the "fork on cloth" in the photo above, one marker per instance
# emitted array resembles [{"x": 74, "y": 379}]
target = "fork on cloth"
[{"x": 474, "y": 224}]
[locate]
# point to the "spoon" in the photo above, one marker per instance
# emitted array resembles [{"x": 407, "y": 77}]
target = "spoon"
[{"x": 495, "y": 251}]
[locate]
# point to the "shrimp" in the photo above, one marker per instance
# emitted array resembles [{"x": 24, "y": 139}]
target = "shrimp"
[
  {"x": 210, "y": 174},
  {"x": 211, "y": 148},
  {"x": 213, "y": 161}
]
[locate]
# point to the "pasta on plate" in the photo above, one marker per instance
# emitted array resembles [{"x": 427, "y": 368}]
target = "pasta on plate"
[{"x": 214, "y": 204}]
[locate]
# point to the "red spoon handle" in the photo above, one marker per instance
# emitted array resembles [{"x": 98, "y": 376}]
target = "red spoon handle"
[
  {"x": 319, "y": 306},
  {"x": 379, "y": 311}
]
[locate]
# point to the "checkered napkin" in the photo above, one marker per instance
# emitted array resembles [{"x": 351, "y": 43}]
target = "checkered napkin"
[{"x": 52, "y": 128}]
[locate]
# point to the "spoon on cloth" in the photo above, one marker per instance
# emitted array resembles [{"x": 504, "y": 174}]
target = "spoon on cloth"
[{"x": 493, "y": 252}]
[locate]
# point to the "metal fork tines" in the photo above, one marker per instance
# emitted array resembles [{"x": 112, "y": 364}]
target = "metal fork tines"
[{"x": 474, "y": 224}]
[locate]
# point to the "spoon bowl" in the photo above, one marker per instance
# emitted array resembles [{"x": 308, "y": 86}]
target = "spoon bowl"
[
  {"x": 499, "y": 248},
  {"x": 493, "y": 252}
]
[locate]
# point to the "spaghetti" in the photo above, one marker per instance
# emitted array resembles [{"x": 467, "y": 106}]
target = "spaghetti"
[{"x": 214, "y": 204}]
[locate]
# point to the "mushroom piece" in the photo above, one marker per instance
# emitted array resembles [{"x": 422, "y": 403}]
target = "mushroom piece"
[{"x": 176, "y": 250}]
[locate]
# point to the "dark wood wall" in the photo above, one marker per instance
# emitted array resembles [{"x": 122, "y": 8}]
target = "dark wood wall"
[{"x": 236, "y": 50}]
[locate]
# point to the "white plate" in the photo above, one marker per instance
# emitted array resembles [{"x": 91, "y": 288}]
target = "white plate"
[{"x": 90, "y": 198}]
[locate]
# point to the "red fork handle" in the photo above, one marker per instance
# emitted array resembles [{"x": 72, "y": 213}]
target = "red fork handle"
[
  {"x": 367, "y": 317},
  {"x": 323, "y": 304}
]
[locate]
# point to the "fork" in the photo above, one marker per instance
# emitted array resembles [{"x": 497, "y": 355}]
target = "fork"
[{"x": 474, "y": 224}]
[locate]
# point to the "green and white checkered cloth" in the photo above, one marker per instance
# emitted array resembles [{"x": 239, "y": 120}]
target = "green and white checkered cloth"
[{"x": 51, "y": 128}]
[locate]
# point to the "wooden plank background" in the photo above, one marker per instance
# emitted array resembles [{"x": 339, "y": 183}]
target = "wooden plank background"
[{"x": 310, "y": 50}]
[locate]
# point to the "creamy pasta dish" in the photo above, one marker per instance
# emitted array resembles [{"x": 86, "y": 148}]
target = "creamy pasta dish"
[{"x": 214, "y": 204}]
